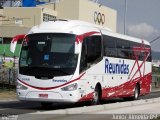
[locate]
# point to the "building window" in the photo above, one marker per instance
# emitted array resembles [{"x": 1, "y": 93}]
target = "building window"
[{"x": 48, "y": 17}]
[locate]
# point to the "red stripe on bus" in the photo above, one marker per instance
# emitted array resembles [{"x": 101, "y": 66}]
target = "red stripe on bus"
[
  {"x": 124, "y": 90},
  {"x": 79, "y": 38},
  {"x": 18, "y": 37}
]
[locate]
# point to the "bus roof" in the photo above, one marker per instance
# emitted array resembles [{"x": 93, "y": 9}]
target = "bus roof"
[
  {"x": 64, "y": 26},
  {"x": 125, "y": 37}
]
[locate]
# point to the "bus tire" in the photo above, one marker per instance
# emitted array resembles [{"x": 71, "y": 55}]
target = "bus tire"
[
  {"x": 135, "y": 95},
  {"x": 136, "y": 92},
  {"x": 96, "y": 96},
  {"x": 46, "y": 104}
]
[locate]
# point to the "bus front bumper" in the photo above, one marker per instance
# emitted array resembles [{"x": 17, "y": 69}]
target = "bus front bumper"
[{"x": 43, "y": 96}]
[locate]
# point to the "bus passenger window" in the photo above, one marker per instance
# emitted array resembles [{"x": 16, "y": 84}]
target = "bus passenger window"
[
  {"x": 123, "y": 47},
  {"x": 91, "y": 51},
  {"x": 110, "y": 49},
  {"x": 94, "y": 48},
  {"x": 83, "y": 62}
]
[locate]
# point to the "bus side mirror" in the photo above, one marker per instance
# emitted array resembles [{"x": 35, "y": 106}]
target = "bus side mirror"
[{"x": 14, "y": 41}]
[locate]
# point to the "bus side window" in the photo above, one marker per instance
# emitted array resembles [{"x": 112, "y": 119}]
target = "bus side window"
[
  {"x": 91, "y": 51},
  {"x": 123, "y": 47},
  {"x": 149, "y": 59},
  {"x": 83, "y": 61},
  {"x": 94, "y": 48},
  {"x": 110, "y": 49}
]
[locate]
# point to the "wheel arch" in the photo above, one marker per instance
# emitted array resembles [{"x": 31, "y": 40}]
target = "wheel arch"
[{"x": 99, "y": 88}]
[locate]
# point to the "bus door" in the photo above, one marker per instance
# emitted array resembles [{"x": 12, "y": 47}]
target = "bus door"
[{"x": 90, "y": 62}]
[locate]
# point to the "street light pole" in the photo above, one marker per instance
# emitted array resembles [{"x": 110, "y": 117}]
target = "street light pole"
[
  {"x": 125, "y": 14},
  {"x": 155, "y": 39}
]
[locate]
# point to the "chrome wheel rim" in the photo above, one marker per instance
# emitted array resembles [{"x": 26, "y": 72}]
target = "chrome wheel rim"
[
  {"x": 95, "y": 96},
  {"x": 136, "y": 93}
]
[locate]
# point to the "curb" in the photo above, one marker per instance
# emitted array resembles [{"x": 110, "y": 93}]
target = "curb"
[
  {"x": 88, "y": 109},
  {"x": 8, "y": 100},
  {"x": 155, "y": 90},
  {"x": 84, "y": 110}
]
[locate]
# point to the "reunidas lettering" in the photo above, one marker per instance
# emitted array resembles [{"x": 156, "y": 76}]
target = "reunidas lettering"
[
  {"x": 59, "y": 80},
  {"x": 116, "y": 68}
]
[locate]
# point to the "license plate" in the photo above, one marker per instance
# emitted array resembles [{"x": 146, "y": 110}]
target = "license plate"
[{"x": 43, "y": 95}]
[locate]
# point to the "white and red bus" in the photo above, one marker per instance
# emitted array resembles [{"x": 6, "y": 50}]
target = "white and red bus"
[{"x": 74, "y": 61}]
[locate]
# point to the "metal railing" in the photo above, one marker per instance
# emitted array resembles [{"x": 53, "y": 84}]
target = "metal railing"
[
  {"x": 155, "y": 81},
  {"x": 8, "y": 78}
]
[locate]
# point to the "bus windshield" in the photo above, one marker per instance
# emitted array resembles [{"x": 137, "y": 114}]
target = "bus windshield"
[{"x": 48, "y": 55}]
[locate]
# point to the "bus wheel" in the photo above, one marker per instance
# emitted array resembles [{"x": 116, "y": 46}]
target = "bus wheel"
[
  {"x": 136, "y": 92},
  {"x": 46, "y": 104},
  {"x": 96, "y": 96}
]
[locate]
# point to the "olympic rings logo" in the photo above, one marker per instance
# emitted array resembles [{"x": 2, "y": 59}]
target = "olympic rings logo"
[{"x": 99, "y": 18}]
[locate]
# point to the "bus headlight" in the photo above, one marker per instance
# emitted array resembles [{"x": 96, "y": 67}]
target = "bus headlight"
[
  {"x": 22, "y": 87},
  {"x": 70, "y": 87}
]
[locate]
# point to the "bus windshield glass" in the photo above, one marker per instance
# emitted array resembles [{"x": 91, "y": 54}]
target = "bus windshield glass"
[{"x": 48, "y": 54}]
